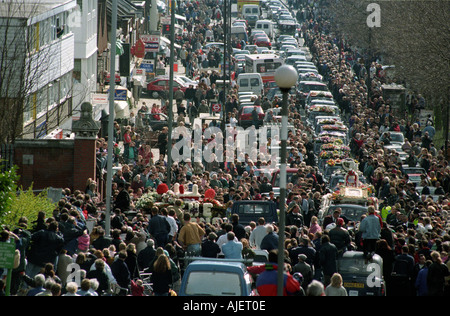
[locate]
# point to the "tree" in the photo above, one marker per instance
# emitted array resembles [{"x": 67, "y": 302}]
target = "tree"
[
  {"x": 8, "y": 187},
  {"x": 412, "y": 35}
]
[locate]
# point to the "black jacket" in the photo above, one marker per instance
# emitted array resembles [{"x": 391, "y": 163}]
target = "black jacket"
[
  {"x": 328, "y": 258},
  {"x": 45, "y": 247}
]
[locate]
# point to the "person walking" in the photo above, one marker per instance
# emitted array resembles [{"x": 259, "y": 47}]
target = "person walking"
[
  {"x": 161, "y": 276},
  {"x": 190, "y": 236},
  {"x": 232, "y": 249},
  {"x": 328, "y": 259},
  {"x": 159, "y": 228},
  {"x": 335, "y": 288},
  {"x": 436, "y": 275},
  {"x": 371, "y": 228},
  {"x": 46, "y": 245},
  {"x": 121, "y": 273}
]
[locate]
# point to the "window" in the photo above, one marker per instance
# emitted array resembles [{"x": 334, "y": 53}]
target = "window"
[
  {"x": 221, "y": 284},
  {"x": 254, "y": 82},
  {"x": 253, "y": 209},
  {"x": 243, "y": 83},
  {"x": 77, "y": 70},
  {"x": 28, "y": 109}
]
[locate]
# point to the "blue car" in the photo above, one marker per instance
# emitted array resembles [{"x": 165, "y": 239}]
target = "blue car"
[{"x": 216, "y": 277}]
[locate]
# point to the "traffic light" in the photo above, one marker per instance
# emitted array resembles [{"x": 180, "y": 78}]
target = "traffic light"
[{"x": 166, "y": 29}]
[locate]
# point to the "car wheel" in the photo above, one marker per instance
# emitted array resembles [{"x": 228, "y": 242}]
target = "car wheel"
[{"x": 154, "y": 94}]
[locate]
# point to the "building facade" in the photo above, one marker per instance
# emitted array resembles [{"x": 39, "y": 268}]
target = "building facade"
[{"x": 37, "y": 61}]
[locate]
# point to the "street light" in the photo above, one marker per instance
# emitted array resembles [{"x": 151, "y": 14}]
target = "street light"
[{"x": 285, "y": 76}]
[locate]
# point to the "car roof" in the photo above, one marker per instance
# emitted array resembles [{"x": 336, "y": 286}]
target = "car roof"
[
  {"x": 357, "y": 255},
  {"x": 213, "y": 265},
  {"x": 252, "y": 202}
]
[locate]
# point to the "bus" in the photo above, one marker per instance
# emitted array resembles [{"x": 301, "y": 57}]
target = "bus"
[{"x": 265, "y": 64}]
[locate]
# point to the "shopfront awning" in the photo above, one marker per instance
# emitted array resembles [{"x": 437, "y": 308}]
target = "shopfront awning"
[{"x": 166, "y": 42}]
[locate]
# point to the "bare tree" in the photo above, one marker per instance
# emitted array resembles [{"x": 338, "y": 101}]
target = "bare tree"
[{"x": 413, "y": 35}]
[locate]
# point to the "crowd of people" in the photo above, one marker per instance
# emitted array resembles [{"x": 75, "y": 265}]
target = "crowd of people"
[{"x": 412, "y": 238}]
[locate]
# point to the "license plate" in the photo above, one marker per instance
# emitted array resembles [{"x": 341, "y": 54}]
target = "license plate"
[{"x": 354, "y": 285}]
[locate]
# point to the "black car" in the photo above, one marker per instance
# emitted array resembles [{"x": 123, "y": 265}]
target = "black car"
[
  {"x": 249, "y": 211},
  {"x": 156, "y": 121}
]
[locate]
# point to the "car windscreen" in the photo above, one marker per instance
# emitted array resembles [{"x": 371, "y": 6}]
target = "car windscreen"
[
  {"x": 397, "y": 138},
  {"x": 218, "y": 284},
  {"x": 254, "y": 209},
  {"x": 289, "y": 178},
  {"x": 350, "y": 212}
]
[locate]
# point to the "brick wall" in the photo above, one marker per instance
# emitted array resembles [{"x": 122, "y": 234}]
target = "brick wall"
[{"x": 55, "y": 163}]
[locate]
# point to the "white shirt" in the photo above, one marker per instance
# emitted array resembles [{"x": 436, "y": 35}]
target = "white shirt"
[
  {"x": 173, "y": 225},
  {"x": 257, "y": 236}
]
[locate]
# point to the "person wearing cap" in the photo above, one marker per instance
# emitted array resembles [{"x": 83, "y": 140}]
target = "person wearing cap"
[
  {"x": 305, "y": 269},
  {"x": 340, "y": 237},
  {"x": 371, "y": 229}
]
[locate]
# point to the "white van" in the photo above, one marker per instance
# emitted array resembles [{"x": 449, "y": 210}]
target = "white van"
[
  {"x": 266, "y": 26},
  {"x": 250, "y": 9},
  {"x": 239, "y": 32},
  {"x": 250, "y": 82}
]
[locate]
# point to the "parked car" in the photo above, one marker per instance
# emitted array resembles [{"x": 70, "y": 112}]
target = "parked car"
[
  {"x": 251, "y": 210},
  {"x": 245, "y": 115},
  {"x": 156, "y": 121},
  {"x": 156, "y": 86},
  {"x": 216, "y": 278},
  {"x": 362, "y": 277}
]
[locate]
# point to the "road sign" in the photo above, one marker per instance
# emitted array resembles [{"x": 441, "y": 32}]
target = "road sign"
[
  {"x": 120, "y": 95},
  {"x": 7, "y": 252},
  {"x": 147, "y": 66},
  {"x": 216, "y": 107}
]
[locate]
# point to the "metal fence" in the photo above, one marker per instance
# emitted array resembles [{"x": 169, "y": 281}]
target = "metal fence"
[{"x": 6, "y": 157}]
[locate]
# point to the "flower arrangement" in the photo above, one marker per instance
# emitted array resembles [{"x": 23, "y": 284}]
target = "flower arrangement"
[
  {"x": 147, "y": 200},
  {"x": 329, "y": 121},
  {"x": 333, "y": 162},
  {"x": 328, "y": 154},
  {"x": 335, "y": 127},
  {"x": 169, "y": 197},
  {"x": 330, "y": 133},
  {"x": 321, "y": 108}
]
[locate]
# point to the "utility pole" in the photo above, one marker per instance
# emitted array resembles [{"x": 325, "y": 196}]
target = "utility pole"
[
  {"x": 112, "y": 88},
  {"x": 170, "y": 108}
]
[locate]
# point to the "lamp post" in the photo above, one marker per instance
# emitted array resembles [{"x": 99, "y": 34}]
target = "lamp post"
[
  {"x": 285, "y": 76},
  {"x": 112, "y": 87}
]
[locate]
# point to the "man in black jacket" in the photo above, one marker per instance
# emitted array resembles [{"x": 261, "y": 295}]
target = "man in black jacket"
[
  {"x": 159, "y": 228},
  {"x": 123, "y": 199},
  {"x": 45, "y": 247},
  {"x": 121, "y": 272},
  {"x": 328, "y": 259}
]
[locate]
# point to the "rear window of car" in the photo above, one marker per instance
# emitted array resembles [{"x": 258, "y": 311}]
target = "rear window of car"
[
  {"x": 219, "y": 284},
  {"x": 250, "y": 110}
]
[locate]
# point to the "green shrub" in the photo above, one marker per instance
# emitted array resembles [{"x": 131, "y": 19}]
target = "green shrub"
[
  {"x": 8, "y": 188},
  {"x": 28, "y": 204}
]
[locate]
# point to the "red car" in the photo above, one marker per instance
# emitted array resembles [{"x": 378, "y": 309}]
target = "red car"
[
  {"x": 262, "y": 40},
  {"x": 157, "y": 85},
  {"x": 245, "y": 115}
]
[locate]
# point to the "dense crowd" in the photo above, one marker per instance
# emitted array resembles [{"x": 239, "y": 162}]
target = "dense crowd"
[{"x": 414, "y": 227}]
